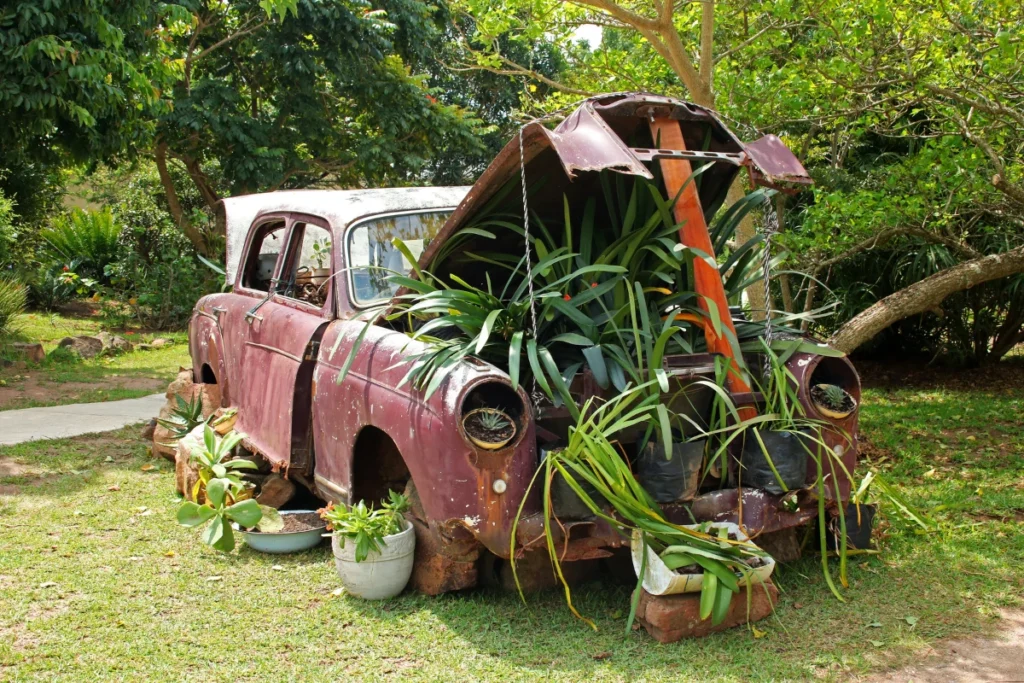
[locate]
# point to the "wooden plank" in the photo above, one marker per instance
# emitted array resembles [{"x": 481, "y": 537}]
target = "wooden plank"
[{"x": 694, "y": 233}]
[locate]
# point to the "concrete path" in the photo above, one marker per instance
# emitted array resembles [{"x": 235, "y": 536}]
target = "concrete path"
[{"x": 58, "y": 422}]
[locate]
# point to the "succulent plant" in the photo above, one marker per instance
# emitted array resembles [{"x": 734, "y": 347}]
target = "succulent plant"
[
  {"x": 184, "y": 418},
  {"x": 493, "y": 421}
]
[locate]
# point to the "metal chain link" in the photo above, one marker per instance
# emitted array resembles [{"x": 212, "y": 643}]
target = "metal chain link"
[{"x": 771, "y": 227}]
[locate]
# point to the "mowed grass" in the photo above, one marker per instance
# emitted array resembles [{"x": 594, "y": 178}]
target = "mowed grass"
[
  {"x": 62, "y": 379},
  {"x": 97, "y": 582}
]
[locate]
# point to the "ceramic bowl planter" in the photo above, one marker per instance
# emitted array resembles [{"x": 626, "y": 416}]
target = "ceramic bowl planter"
[
  {"x": 382, "y": 574},
  {"x": 660, "y": 580},
  {"x": 489, "y": 428},
  {"x": 286, "y": 540},
  {"x": 832, "y": 401}
]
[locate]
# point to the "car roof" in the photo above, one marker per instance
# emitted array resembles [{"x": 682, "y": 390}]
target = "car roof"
[{"x": 338, "y": 207}]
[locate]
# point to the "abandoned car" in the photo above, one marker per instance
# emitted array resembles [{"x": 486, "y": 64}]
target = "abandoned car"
[{"x": 314, "y": 299}]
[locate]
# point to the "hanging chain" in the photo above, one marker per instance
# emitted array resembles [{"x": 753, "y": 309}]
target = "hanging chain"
[
  {"x": 771, "y": 227},
  {"x": 526, "y": 233}
]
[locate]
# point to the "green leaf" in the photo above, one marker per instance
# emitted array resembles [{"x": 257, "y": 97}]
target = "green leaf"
[
  {"x": 515, "y": 353},
  {"x": 191, "y": 514},
  {"x": 271, "y": 522},
  {"x": 247, "y": 513},
  {"x": 708, "y": 593},
  {"x": 485, "y": 331},
  {"x": 216, "y": 489},
  {"x": 721, "y": 608}
]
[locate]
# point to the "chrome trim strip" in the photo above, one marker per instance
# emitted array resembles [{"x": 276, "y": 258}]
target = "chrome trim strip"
[
  {"x": 341, "y": 491},
  {"x": 273, "y": 349}
]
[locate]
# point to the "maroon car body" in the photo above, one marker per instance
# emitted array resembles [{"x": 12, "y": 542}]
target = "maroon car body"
[{"x": 276, "y": 353}]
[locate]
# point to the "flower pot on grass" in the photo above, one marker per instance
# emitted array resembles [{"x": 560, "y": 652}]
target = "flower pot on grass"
[
  {"x": 301, "y": 530},
  {"x": 384, "y": 573},
  {"x": 660, "y": 580}
]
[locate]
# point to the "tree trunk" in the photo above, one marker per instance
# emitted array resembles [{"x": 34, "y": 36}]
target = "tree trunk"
[
  {"x": 174, "y": 204},
  {"x": 925, "y": 295}
]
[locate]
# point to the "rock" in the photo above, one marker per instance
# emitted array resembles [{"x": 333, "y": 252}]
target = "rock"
[
  {"x": 669, "y": 618},
  {"x": 275, "y": 491},
  {"x": 186, "y": 474},
  {"x": 113, "y": 344},
  {"x": 144, "y": 347},
  {"x": 160, "y": 342},
  {"x": 83, "y": 347},
  {"x": 147, "y": 431},
  {"x": 32, "y": 352},
  {"x": 183, "y": 386},
  {"x": 434, "y": 570}
]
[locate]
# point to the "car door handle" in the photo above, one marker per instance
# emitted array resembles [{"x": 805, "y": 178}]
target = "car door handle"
[
  {"x": 218, "y": 310},
  {"x": 251, "y": 315}
]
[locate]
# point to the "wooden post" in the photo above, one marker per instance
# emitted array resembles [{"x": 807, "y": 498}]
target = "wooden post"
[{"x": 694, "y": 233}]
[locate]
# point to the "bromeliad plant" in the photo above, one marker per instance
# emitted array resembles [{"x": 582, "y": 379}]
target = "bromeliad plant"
[
  {"x": 365, "y": 526},
  {"x": 591, "y": 460},
  {"x": 225, "y": 496},
  {"x": 185, "y": 417}
]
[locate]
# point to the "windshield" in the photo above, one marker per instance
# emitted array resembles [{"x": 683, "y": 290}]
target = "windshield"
[{"x": 372, "y": 256}]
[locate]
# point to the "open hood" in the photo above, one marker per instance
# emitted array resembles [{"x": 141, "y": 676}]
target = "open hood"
[{"x": 611, "y": 132}]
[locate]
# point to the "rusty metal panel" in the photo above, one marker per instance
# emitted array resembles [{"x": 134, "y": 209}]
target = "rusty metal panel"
[{"x": 773, "y": 164}]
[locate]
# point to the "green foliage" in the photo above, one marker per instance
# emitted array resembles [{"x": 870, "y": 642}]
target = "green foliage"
[
  {"x": 185, "y": 416},
  {"x": 365, "y": 526},
  {"x": 592, "y": 457},
  {"x": 220, "y": 495},
  {"x": 8, "y": 233},
  {"x": 12, "y": 302},
  {"x": 493, "y": 421},
  {"x": 86, "y": 237},
  {"x": 49, "y": 286}
]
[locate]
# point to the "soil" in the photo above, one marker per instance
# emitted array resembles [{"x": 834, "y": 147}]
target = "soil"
[
  {"x": 479, "y": 432},
  {"x": 38, "y": 389},
  {"x": 820, "y": 398},
  {"x": 307, "y": 521},
  {"x": 1008, "y": 372},
  {"x": 974, "y": 659}
]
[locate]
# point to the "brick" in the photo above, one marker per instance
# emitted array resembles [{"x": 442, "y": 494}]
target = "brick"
[{"x": 669, "y": 618}]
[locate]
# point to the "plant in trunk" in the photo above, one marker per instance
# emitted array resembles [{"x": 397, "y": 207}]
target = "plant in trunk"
[
  {"x": 592, "y": 458},
  {"x": 365, "y": 526}
]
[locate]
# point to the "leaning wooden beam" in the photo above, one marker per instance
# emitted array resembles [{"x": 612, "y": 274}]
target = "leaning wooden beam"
[{"x": 693, "y": 232}]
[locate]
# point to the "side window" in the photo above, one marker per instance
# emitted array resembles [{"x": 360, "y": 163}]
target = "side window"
[
  {"x": 267, "y": 245},
  {"x": 372, "y": 257},
  {"x": 307, "y": 275}
]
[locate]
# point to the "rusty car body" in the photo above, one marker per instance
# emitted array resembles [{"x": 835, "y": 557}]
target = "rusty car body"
[{"x": 276, "y": 352}]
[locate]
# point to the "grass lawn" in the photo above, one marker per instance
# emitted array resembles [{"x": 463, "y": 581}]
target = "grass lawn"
[
  {"x": 60, "y": 379},
  {"x": 97, "y": 582}
]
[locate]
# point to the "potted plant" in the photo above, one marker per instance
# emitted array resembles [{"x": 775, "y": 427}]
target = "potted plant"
[
  {"x": 373, "y": 548},
  {"x": 674, "y": 570},
  {"x": 831, "y": 400},
  {"x": 489, "y": 428},
  {"x": 288, "y": 531},
  {"x": 322, "y": 256}
]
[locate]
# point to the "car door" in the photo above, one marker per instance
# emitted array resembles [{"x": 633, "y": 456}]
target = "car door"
[{"x": 280, "y": 338}]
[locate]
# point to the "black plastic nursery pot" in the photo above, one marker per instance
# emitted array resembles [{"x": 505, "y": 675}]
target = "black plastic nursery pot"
[
  {"x": 672, "y": 479},
  {"x": 566, "y": 503},
  {"x": 788, "y": 452}
]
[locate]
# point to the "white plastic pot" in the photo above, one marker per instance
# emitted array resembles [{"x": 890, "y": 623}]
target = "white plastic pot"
[
  {"x": 660, "y": 580},
  {"x": 381, "y": 575}
]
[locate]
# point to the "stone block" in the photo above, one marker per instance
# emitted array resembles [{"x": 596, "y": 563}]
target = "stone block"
[{"x": 32, "y": 352}]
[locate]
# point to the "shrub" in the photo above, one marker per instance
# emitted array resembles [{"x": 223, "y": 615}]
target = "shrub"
[
  {"x": 8, "y": 235},
  {"x": 12, "y": 302},
  {"x": 91, "y": 237},
  {"x": 157, "y": 279},
  {"x": 48, "y": 287}
]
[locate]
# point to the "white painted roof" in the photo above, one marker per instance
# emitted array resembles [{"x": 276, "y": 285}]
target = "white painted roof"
[{"x": 338, "y": 207}]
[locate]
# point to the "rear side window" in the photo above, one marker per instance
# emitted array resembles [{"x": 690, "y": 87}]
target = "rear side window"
[
  {"x": 266, "y": 247},
  {"x": 372, "y": 257}
]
